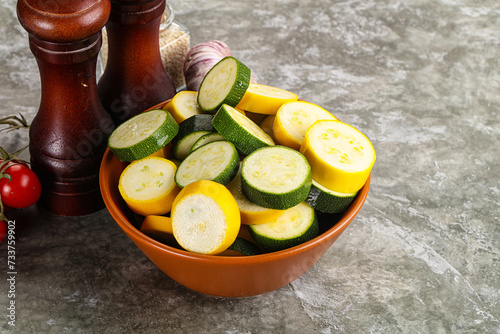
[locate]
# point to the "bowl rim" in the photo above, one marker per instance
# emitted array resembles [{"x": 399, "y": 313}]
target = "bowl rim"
[{"x": 347, "y": 217}]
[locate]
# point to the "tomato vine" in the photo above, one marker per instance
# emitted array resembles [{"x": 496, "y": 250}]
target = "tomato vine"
[{"x": 19, "y": 185}]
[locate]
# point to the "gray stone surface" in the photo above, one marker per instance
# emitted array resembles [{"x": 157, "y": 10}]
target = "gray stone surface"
[{"x": 420, "y": 78}]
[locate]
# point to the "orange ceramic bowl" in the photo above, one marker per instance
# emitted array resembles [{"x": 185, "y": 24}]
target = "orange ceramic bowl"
[{"x": 227, "y": 276}]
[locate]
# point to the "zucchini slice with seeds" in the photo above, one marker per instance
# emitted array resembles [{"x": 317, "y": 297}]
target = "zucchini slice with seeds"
[
  {"x": 183, "y": 105},
  {"x": 294, "y": 227},
  {"x": 250, "y": 212},
  {"x": 147, "y": 186},
  {"x": 226, "y": 82},
  {"x": 183, "y": 146},
  {"x": 207, "y": 138},
  {"x": 216, "y": 161},
  {"x": 276, "y": 177},
  {"x": 264, "y": 99},
  {"x": 190, "y": 130},
  {"x": 293, "y": 119},
  {"x": 325, "y": 200},
  {"x": 341, "y": 157},
  {"x": 240, "y": 130},
  {"x": 143, "y": 135}
]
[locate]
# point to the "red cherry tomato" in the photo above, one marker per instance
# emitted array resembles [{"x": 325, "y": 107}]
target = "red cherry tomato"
[{"x": 23, "y": 189}]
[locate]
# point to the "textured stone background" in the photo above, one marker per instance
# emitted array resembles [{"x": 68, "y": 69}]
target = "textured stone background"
[{"x": 420, "y": 78}]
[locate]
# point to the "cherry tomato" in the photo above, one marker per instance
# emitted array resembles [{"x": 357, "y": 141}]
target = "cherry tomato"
[{"x": 23, "y": 189}]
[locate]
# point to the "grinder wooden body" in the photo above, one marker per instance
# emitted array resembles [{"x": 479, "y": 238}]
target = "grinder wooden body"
[
  {"x": 134, "y": 78},
  {"x": 69, "y": 134}
]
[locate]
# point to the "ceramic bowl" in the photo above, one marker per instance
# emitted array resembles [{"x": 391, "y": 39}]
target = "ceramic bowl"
[{"x": 227, "y": 276}]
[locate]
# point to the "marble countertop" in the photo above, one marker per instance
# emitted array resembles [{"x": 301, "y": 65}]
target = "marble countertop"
[{"x": 420, "y": 78}]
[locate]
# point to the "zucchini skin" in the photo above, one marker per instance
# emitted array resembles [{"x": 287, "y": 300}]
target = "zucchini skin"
[
  {"x": 226, "y": 176},
  {"x": 227, "y": 127},
  {"x": 230, "y": 174},
  {"x": 280, "y": 201},
  {"x": 206, "y": 139},
  {"x": 274, "y": 245},
  {"x": 202, "y": 122},
  {"x": 277, "y": 201},
  {"x": 327, "y": 203},
  {"x": 244, "y": 247},
  {"x": 177, "y": 152},
  {"x": 239, "y": 86},
  {"x": 161, "y": 137}
]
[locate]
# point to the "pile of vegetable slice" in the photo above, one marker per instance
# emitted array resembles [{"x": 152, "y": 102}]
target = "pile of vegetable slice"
[{"x": 238, "y": 167}]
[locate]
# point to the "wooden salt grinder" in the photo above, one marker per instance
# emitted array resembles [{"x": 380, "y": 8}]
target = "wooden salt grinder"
[
  {"x": 69, "y": 134},
  {"x": 134, "y": 78}
]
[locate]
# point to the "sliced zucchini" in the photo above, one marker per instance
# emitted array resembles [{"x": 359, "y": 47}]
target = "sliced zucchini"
[
  {"x": 159, "y": 228},
  {"x": 147, "y": 186},
  {"x": 190, "y": 130},
  {"x": 207, "y": 138},
  {"x": 183, "y": 145},
  {"x": 242, "y": 246},
  {"x": 216, "y": 161},
  {"x": 263, "y": 99},
  {"x": 205, "y": 218},
  {"x": 250, "y": 212},
  {"x": 341, "y": 157},
  {"x": 294, "y": 227},
  {"x": 202, "y": 122},
  {"x": 183, "y": 105},
  {"x": 276, "y": 177},
  {"x": 143, "y": 135},
  {"x": 293, "y": 119},
  {"x": 328, "y": 201},
  {"x": 226, "y": 82},
  {"x": 240, "y": 130}
]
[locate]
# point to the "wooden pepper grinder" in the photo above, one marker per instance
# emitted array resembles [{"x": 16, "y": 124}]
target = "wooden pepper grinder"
[
  {"x": 69, "y": 134},
  {"x": 134, "y": 78}
]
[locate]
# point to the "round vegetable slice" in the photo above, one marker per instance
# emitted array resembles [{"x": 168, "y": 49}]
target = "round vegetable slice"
[
  {"x": 197, "y": 122},
  {"x": 158, "y": 228},
  {"x": 296, "y": 226},
  {"x": 226, "y": 82},
  {"x": 328, "y": 201},
  {"x": 207, "y": 138},
  {"x": 250, "y": 212},
  {"x": 276, "y": 177},
  {"x": 148, "y": 186},
  {"x": 216, "y": 161},
  {"x": 143, "y": 135},
  {"x": 200, "y": 59},
  {"x": 264, "y": 99},
  {"x": 183, "y": 105},
  {"x": 242, "y": 246},
  {"x": 240, "y": 130},
  {"x": 205, "y": 218},
  {"x": 293, "y": 119},
  {"x": 341, "y": 157},
  {"x": 183, "y": 145},
  {"x": 190, "y": 130}
]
